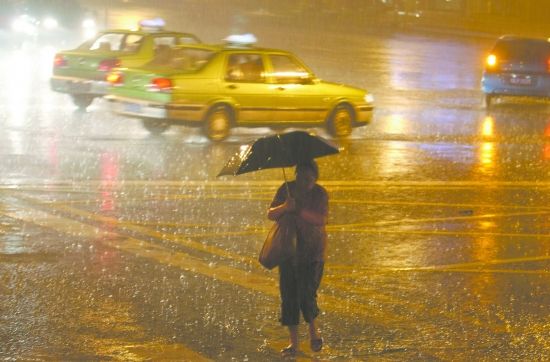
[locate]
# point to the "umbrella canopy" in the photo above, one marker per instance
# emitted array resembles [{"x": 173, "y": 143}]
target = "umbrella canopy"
[{"x": 281, "y": 150}]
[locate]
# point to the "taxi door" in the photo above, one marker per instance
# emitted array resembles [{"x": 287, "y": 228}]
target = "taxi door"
[
  {"x": 299, "y": 97},
  {"x": 245, "y": 82}
]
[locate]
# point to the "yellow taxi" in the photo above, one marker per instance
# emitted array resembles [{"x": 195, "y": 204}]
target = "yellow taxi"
[
  {"x": 218, "y": 87},
  {"x": 81, "y": 72}
]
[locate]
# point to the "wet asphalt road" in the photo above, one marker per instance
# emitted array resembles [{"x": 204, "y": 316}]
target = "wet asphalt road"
[{"x": 118, "y": 245}]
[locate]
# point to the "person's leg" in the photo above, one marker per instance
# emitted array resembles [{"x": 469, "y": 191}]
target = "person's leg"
[
  {"x": 293, "y": 336},
  {"x": 313, "y": 331},
  {"x": 309, "y": 278},
  {"x": 290, "y": 307}
]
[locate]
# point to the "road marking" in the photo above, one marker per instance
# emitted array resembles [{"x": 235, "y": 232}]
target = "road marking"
[
  {"x": 485, "y": 263},
  {"x": 252, "y": 261},
  {"x": 424, "y": 220},
  {"x": 349, "y": 227},
  {"x": 232, "y": 183},
  {"x": 342, "y": 228},
  {"x": 159, "y": 235},
  {"x": 438, "y": 204},
  {"x": 491, "y": 271},
  {"x": 470, "y": 267},
  {"x": 258, "y": 196},
  {"x": 361, "y": 272}
]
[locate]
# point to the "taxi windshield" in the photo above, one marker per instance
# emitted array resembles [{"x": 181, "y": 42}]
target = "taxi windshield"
[{"x": 183, "y": 59}]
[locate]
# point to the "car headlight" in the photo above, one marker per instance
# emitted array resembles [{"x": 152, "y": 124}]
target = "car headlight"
[
  {"x": 24, "y": 24},
  {"x": 369, "y": 98}
]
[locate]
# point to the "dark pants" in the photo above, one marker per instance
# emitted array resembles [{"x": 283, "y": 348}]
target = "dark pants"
[{"x": 298, "y": 285}]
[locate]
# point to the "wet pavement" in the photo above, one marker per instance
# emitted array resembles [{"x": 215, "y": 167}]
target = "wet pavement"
[
  {"x": 434, "y": 280},
  {"x": 119, "y": 245},
  {"x": 416, "y": 270}
]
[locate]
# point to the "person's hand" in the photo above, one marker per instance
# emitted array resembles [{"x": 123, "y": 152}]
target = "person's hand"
[{"x": 290, "y": 204}]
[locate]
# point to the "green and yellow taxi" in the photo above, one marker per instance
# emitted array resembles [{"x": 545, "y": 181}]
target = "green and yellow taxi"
[
  {"x": 82, "y": 72},
  {"x": 218, "y": 87}
]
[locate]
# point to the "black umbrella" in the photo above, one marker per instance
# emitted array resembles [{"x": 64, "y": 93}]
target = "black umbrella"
[{"x": 281, "y": 150}]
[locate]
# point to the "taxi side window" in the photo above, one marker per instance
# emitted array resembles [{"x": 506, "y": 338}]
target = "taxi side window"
[
  {"x": 132, "y": 42},
  {"x": 286, "y": 70},
  {"x": 164, "y": 40},
  {"x": 187, "y": 39},
  {"x": 163, "y": 55},
  {"x": 107, "y": 42},
  {"x": 245, "y": 67}
]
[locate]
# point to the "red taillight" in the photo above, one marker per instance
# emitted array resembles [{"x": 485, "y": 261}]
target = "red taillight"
[
  {"x": 161, "y": 84},
  {"x": 548, "y": 65},
  {"x": 106, "y": 65},
  {"x": 115, "y": 78},
  {"x": 59, "y": 61}
]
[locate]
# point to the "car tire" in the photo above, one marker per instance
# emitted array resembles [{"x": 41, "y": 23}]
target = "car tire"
[
  {"x": 82, "y": 101},
  {"x": 217, "y": 123},
  {"x": 155, "y": 126},
  {"x": 341, "y": 121},
  {"x": 489, "y": 100}
]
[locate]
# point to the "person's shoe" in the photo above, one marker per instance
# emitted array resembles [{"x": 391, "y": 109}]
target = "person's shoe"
[
  {"x": 316, "y": 344},
  {"x": 289, "y": 351}
]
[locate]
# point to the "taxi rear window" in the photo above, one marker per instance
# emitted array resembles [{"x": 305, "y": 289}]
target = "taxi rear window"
[
  {"x": 115, "y": 42},
  {"x": 523, "y": 49}
]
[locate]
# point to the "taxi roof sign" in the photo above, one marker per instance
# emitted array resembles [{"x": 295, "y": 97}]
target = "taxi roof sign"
[
  {"x": 241, "y": 39},
  {"x": 152, "y": 24}
]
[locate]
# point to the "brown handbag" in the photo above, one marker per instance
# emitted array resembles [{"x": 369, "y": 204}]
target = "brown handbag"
[{"x": 280, "y": 243}]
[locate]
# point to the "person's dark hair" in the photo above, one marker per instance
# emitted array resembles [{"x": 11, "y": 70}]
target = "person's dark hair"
[{"x": 309, "y": 165}]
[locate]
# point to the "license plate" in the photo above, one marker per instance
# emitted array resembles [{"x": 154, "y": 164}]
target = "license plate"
[
  {"x": 132, "y": 107},
  {"x": 521, "y": 79}
]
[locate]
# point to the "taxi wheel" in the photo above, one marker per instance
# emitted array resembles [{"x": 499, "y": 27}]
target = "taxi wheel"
[
  {"x": 155, "y": 126},
  {"x": 217, "y": 124},
  {"x": 340, "y": 122},
  {"x": 82, "y": 101}
]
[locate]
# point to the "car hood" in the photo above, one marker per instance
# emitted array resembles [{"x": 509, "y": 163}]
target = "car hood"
[{"x": 340, "y": 88}]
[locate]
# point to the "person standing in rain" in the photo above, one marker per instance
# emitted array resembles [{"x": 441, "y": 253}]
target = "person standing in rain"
[{"x": 299, "y": 277}]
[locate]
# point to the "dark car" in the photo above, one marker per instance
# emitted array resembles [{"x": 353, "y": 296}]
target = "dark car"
[{"x": 517, "y": 66}]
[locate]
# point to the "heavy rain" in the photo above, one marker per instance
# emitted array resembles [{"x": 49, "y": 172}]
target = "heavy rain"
[{"x": 118, "y": 243}]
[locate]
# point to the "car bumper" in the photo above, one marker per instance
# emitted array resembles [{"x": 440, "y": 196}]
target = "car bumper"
[
  {"x": 132, "y": 107},
  {"x": 363, "y": 114},
  {"x": 500, "y": 84},
  {"x": 78, "y": 85}
]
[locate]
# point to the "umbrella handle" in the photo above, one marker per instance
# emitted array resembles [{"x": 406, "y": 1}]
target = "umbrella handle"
[
  {"x": 286, "y": 183},
  {"x": 284, "y": 174}
]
